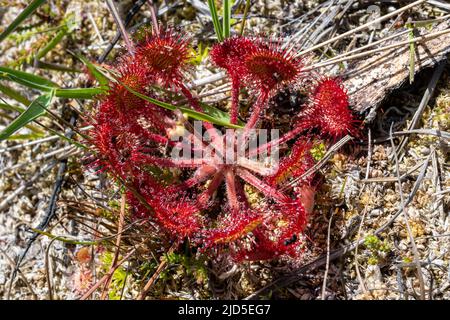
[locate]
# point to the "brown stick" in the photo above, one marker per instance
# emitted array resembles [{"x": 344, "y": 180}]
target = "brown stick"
[
  {"x": 105, "y": 277},
  {"x": 155, "y": 276}
]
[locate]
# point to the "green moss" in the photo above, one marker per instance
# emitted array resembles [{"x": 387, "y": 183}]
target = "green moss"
[
  {"x": 318, "y": 150},
  {"x": 119, "y": 276},
  {"x": 377, "y": 249}
]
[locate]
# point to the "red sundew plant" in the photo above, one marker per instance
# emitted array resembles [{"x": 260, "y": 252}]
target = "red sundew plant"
[{"x": 236, "y": 206}]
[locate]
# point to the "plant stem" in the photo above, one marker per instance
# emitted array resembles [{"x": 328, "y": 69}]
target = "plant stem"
[
  {"x": 154, "y": 17},
  {"x": 234, "y": 111}
]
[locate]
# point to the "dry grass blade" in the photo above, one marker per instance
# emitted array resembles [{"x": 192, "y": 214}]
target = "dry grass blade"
[
  {"x": 155, "y": 275},
  {"x": 120, "y": 24},
  {"x": 320, "y": 163},
  {"x": 327, "y": 264},
  {"x": 362, "y": 27},
  {"x": 106, "y": 277},
  {"x": 371, "y": 52},
  {"x": 423, "y": 103},
  {"x": 406, "y": 219}
]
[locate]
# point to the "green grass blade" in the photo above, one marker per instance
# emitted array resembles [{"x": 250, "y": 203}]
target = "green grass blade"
[
  {"x": 55, "y": 67},
  {"x": 65, "y": 240},
  {"x": 21, "y": 17},
  {"x": 52, "y": 44},
  {"x": 36, "y": 109},
  {"x": 13, "y": 94},
  {"x": 8, "y": 107},
  {"x": 226, "y": 18},
  {"x": 79, "y": 93},
  {"x": 244, "y": 18},
  {"x": 211, "y": 114},
  {"x": 69, "y": 140},
  {"x": 102, "y": 80},
  {"x": 30, "y": 136},
  {"x": 215, "y": 19},
  {"x": 27, "y": 79},
  {"x": 218, "y": 114},
  {"x": 191, "y": 113}
]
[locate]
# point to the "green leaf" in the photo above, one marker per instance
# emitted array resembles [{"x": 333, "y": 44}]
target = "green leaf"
[
  {"x": 218, "y": 114},
  {"x": 51, "y": 44},
  {"x": 94, "y": 69},
  {"x": 9, "y": 107},
  {"x": 69, "y": 140},
  {"x": 13, "y": 94},
  {"x": 226, "y": 18},
  {"x": 36, "y": 109},
  {"x": 27, "y": 79},
  {"x": 64, "y": 239},
  {"x": 79, "y": 93},
  {"x": 191, "y": 113},
  {"x": 21, "y": 17},
  {"x": 215, "y": 19},
  {"x": 53, "y": 66},
  {"x": 244, "y": 18},
  {"x": 30, "y": 136}
]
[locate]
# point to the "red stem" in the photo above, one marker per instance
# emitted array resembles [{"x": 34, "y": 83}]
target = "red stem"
[
  {"x": 234, "y": 111},
  {"x": 287, "y": 136},
  {"x": 202, "y": 174},
  {"x": 231, "y": 190},
  {"x": 260, "y": 104},
  {"x": 212, "y": 187},
  {"x": 266, "y": 189}
]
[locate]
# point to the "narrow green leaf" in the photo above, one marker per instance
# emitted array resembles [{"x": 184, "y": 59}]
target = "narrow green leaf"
[
  {"x": 53, "y": 66},
  {"x": 36, "y": 109},
  {"x": 213, "y": 114},
  {"x": 65, "y": 240},
  {"x": 13, "y": 94},
  {"x": 218, "y": 114},
  {"x": 215, "y": 19},
  {"x": 52, "y": 43},
  {"x": 244, "y": 18},
  {"x": 69, "y": 140},
  {"x": 30, "y": 136},
  {"x": 8, "y": 107},
  {"x": 21, "y": 17},
  {"x": 79, "y": 93},
  {"x": 94, "y": 69},
  {"x": 226, "y": 18},
  {"x": 191, "y": 113},
  {"x": 27, "y": 79}
]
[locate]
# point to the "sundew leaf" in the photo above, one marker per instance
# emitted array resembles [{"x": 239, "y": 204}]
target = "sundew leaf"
[
  {"x": 36, "y": 109},
  {"x": 211, "y": 114},
  {"x": 28, "y": 11}
]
